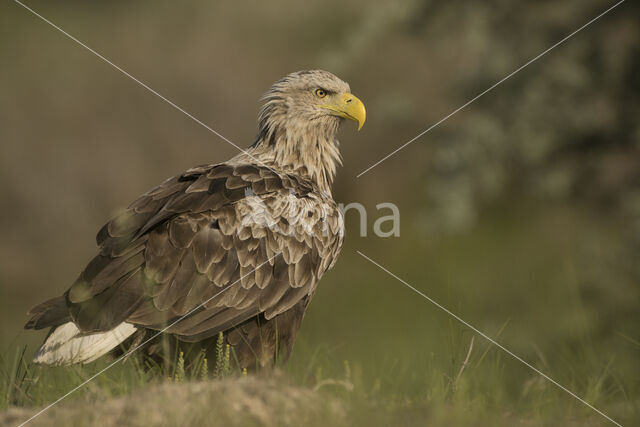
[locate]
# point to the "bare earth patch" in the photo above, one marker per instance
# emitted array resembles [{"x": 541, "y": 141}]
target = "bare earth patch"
[{"x": 230, "y": 402}]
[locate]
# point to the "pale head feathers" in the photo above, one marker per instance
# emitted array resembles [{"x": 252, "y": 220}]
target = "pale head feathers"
[{"x": 294, "y": 133}]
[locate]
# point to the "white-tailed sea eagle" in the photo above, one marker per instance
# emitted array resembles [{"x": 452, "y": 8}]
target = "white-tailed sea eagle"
[{"x": 249, "y": 238}]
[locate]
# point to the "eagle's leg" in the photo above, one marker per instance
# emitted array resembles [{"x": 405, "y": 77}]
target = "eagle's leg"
[
  {"x": 255, "y": 344},
  {"x": 260, "y": 343}
]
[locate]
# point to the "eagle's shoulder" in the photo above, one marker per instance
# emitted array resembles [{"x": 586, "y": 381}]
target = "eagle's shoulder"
[{"x": 200, "y": 189}]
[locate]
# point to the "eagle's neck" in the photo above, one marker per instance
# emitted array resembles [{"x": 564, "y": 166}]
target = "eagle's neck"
[{"x": 309, "y": 149}]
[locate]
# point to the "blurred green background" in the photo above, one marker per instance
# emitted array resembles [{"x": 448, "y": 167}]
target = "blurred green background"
[{"x": 521, "y": 213}]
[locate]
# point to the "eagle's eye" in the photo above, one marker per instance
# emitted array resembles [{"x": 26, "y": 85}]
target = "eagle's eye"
[{"x": 320, "y": 93}]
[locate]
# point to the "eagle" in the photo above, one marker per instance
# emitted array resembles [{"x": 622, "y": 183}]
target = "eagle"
[{"x": 232, "y": 250}]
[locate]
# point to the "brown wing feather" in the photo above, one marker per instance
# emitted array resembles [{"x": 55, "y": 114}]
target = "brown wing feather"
[
  {"x": 52, "y": 312},
  {"x": 238, "y": 238}
]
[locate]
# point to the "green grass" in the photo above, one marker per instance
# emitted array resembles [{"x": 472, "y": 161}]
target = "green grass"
[{"x": 400, "y": 391}]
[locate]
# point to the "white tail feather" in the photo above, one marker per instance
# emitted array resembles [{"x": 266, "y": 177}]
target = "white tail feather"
[{"x": 67, "y": 344}]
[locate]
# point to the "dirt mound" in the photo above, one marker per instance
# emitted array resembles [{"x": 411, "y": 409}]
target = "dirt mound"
[{"x": 231, "y": 402}]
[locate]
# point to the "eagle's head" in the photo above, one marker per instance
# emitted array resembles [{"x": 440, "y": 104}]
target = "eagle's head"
[
  {"x": 314, "y": 99},
  {"x": 298, "y": 122}
]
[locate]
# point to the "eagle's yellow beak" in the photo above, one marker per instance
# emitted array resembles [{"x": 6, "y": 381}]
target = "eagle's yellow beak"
[{"x": 348, "y": 106}]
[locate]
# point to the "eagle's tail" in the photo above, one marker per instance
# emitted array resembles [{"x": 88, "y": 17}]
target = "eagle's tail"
[{"x": 66, "y": 344}]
